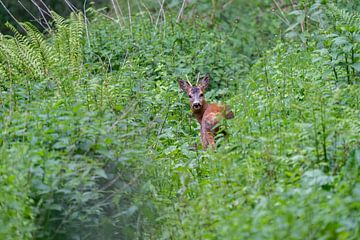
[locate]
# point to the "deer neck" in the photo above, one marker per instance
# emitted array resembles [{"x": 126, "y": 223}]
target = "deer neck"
[{"x": 199, "y": 114}]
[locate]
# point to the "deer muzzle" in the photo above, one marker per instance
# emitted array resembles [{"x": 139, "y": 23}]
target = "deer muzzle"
[{"x": 196, "y": 105}]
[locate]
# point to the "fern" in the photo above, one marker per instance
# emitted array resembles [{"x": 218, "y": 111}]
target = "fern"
[
  {"x": 76, "y": 33},
  {"x": 33, "y": 57},
  {"x": 68, "y": 41},
  {"x": 17, "y": 52},
  {"x": 43, "y": 49},
  {"x": 347, "y": 21}
]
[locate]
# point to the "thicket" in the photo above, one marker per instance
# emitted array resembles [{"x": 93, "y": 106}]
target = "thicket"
[{"x": 97, "y": 142}]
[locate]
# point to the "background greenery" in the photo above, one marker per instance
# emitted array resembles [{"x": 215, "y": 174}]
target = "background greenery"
[{"x": 97, "y": 141}]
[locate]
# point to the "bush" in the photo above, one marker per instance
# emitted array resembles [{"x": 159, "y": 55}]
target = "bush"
[{"x": 93, "y": 116}]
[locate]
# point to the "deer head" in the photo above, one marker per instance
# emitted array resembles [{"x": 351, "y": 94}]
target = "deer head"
[{"x": 196, "y": 93}]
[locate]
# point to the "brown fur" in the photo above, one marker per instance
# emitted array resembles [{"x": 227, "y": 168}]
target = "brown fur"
[{"x": 208, "y": 115}]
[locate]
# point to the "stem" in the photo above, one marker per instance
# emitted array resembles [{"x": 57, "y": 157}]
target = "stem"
[
  {"x": 29, "y": 90},
  {"x": 34, "y": 18},
  {"x": 323, "y": 128},
  {"x": 282, "y": 12},
  {"x": 267, "y": 96},
  {"x": 335, "y": 73},
  {"x": 316, "y": 139},
  {"x": 213, "y": 3},
  {"x": 334, "y": 165},
  {"x": 334, "y": 70},
  {"x": 118, "y": 12},
  {"x": 353, "y": 60},
  {"x": 347, "y": 69},
  {"x": 130, "y": 21},
  {"x": 181, "y": 12},
  {"x": 12, "y": 16}
]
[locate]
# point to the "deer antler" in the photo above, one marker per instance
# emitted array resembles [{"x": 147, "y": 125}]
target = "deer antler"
[
  {"x": 197, "y": 78},
  {"x": 187, "y": 80}
]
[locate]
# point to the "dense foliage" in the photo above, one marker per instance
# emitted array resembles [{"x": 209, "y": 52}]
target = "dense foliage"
[{"x": 97, "y": 141}]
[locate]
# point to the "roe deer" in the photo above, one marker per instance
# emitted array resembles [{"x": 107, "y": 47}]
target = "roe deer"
[{"x": 208, "y": 115}]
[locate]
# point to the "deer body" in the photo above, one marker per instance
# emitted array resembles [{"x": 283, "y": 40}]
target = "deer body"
[{"x": 208, "y": 115}]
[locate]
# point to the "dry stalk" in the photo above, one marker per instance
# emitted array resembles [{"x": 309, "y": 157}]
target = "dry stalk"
[
  {"x": 181, "y": 12},
  {"x": 11, "y": 15}
]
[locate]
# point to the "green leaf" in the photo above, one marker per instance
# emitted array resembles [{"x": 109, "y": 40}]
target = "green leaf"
[
  {"x": 316, "y": 178},
  {"x": 356, "y": 66},
  {"x": 340, "y": 41},
  {"x": 62, "y": 143},
  {"x": 101, "y": 173},
  {"x": 170, "y": 149},
  {"x": 57, "y": 207}
]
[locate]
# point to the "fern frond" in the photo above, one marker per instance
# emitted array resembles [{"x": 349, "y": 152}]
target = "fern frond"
[
  {"x": 68, "y": 41},
  {"x": 17, "y": 34},
  {"x": 37, "y": 41},
  {"x": 58, "y": 20},
  {"x": 22, "y": 53},
  {"x": 33, "y": 56},
  {"x": 76, "y": 34},
  {"x": 349, "y": 20}
]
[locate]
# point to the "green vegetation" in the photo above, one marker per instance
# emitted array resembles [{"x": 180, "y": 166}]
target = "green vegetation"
[{"x": 97, "y": 141}]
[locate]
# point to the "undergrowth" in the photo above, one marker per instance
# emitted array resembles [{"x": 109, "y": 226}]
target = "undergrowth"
[{"x": 97, "y": 141}]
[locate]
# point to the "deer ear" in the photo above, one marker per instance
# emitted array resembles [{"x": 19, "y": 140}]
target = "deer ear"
[
  {"x": 204, "y": 83},
  {"x": 184, "y": 85}
]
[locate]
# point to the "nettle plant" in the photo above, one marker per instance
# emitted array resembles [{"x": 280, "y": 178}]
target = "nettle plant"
[
  {"x": 339, "y": 41},
  {"x": 339, "y": 44},
  {"x": 336, "y": 33}
]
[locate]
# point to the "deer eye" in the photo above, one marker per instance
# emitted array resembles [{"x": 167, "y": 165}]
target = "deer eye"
[
  {"x": 201, "y": 95},
  {"x": 189, "y": 96}
]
